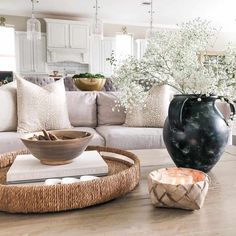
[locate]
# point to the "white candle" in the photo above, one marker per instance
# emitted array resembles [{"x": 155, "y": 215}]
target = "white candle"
[
  {"x": 69, "y": 180},
  {"x": 88, "y": 177},
  {"x": 176, "y": 178},
  {"x": 52, "y": 181}
]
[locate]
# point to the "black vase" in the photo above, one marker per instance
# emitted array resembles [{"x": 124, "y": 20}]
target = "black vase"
[{"x": 195, "y": 131}]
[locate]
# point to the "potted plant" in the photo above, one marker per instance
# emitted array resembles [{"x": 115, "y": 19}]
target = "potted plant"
[
  {"x": 195, "y": 132},
  {"x": 89, "y": 82}
]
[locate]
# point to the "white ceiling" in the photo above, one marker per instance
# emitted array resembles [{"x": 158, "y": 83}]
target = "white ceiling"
[{"x": 167, "y": 12}]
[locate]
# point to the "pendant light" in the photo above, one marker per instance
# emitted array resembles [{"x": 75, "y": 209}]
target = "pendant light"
[
  {"x": 97, "y": 26},
  {"x": 33, "y": 25},
  {"x": 151, "y": 30}
]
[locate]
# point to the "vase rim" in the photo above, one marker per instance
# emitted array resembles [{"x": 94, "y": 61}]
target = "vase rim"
[{"x": 196, "y": 95}]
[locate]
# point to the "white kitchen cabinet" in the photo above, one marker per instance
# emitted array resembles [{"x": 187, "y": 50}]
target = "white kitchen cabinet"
[
  {"x": 100, "y": 50},
  {"x": 108, "y": 46},
  {"x": 95, "y": 64},
  {"x": 79, "y": 35},
  {"x": 67, "y": 40},
  {"x": 40, "y": 55},
  {"x": 30, "y": 55},
  {"x": 66, "y": 34},
  {"x": 57, "y": 34}
]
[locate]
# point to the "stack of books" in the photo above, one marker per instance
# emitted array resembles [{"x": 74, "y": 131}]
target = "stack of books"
[{"x": 28, "y": 169}]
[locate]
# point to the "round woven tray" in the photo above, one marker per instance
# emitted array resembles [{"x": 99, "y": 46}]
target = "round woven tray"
[{"x": 123, "y": 177}]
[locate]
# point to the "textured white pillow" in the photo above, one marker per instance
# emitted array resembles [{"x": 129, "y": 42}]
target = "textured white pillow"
[
  {"x": 8, "y": 111},
  {"x": 41, "y": 107},
  {"x": 155, "y": 112}
]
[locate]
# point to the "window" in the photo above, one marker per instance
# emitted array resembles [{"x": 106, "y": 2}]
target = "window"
[
  {"x": 213, "y": 59},
  {"x": 124, "y": 46},
  {"x": 7, "y": 49}
]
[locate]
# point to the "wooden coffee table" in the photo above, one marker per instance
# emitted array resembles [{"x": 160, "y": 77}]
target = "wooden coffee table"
[{"x": 133, "y": 214}]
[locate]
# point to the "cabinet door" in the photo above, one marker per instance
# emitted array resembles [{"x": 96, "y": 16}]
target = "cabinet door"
[
  {"x": 30, "y": 55},
  {"x": 39, "y": 48},
  {"x": 24, "y": 53},
  {"x": 79, "y": 36},
  {"x": 95, "y": 65},
  {"x": 57, "y": 34},
  {"x": 108, "y": 45}
]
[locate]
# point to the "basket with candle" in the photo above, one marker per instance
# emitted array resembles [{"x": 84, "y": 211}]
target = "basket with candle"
[{"x": 178, "y": 188}]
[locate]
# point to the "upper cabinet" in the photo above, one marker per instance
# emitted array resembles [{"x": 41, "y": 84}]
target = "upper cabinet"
[
  {"x": 67, "y": 39},
  {"x": 57, "y": 34},
  {"x": 79, "y": 36}
]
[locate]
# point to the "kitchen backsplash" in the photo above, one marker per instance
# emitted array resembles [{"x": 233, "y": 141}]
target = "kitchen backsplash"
[{"x": 65, "y": 68}]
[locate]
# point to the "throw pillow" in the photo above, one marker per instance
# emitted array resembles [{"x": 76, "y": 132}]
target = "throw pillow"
[
  {"x": 106, "y": 116},
  {"x": 155, "y": 111},
  {"x": 82, "y": 108},
  {"x": 41, "y": 107},
  {"x": 8, "y": 111}
]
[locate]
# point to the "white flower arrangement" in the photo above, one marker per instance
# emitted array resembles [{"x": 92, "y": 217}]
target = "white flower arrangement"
[{"x": 174, "y": 58}]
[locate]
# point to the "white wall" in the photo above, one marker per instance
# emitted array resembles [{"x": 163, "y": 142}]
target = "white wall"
[
  {"x": 111, "y": 29},
  {"x": 223, "y": 39}
]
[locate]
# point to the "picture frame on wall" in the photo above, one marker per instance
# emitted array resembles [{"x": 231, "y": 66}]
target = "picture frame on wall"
[{"x": 6, "y": 77}]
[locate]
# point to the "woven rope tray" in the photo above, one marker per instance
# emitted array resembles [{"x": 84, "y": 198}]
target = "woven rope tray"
[{"x": 123, "y": 177}]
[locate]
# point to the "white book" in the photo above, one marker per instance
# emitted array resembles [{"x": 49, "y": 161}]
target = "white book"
[{"x": 26, "y": 168}]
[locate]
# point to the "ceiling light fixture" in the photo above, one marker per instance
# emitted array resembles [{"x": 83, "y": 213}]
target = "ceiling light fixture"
[
  {"x": 33, "y": 25},
  {"x": 97, "y": 27},
  {"x": 151, "y": 30}
]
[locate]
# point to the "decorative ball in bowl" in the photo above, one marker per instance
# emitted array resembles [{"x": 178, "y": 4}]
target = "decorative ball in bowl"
[{"x": 57, "y": 147}]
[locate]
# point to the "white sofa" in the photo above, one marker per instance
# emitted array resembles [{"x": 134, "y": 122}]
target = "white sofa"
[{"x": 92, "y": 112}]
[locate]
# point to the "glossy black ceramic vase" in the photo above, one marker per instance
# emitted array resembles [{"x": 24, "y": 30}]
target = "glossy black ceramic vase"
[{"x": 195, "y": 131}]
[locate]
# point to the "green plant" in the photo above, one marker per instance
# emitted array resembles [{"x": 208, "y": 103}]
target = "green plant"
[{"x": 89, "y": 75}]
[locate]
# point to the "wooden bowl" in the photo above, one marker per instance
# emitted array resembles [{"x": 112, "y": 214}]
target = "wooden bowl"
[
  {"x": 90, "y": 84},
  {"x": 58, "y": 152}
]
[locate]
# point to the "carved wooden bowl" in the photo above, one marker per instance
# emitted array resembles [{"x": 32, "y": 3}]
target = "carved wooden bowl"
[{"x": 58, "y": 152}]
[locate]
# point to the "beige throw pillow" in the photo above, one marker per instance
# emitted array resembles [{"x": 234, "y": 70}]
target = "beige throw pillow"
[
  {"x": 155, "y": 112},
  {"x": 41, "y": 107},
  {"x": 106, "y": 115},
  {"x": 8, "y": 111}
]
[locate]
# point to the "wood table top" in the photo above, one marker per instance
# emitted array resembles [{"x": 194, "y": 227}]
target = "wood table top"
[{"x": 134, "y": 214}]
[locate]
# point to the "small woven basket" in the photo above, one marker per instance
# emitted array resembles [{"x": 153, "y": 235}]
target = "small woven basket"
[{"x": 188, "y": 196}]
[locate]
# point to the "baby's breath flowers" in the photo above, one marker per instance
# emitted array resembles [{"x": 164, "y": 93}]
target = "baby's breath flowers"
[{"x": 175, "y": 58}]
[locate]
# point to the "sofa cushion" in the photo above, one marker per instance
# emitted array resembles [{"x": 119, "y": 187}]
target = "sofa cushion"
[
  {"x": 8, "y": 111},
  {"x": 97, "y": 138},
  {"x": 41, "y": 107},
  {"x": 132, "y": 138},
  {"x": 82, "y": 108},
  {"x": 106, "y": 116},
  {"x": 10, "y": 141}
]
